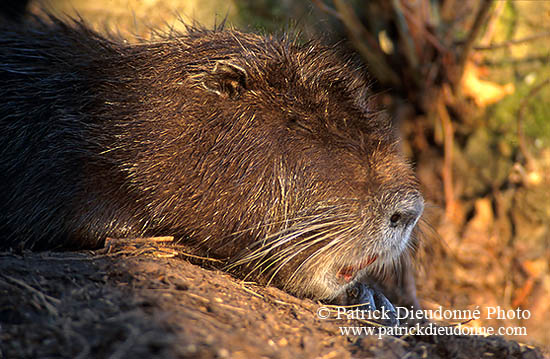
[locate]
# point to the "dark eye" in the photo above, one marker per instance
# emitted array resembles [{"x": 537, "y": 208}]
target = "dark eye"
[
  {"x": 298, "y": 124},
  {"x": 394, "y": 219}
]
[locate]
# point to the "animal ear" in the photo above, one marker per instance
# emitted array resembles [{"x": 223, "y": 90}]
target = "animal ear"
[{"x": 226, "y": 79}]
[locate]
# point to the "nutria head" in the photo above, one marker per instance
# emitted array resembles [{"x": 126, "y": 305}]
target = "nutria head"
[
  {"x": 259, "y": 151},
  {"x": 305, "y": 181}
]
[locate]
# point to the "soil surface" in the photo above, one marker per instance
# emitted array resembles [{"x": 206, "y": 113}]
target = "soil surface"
[{"x": 133, "y": 303}]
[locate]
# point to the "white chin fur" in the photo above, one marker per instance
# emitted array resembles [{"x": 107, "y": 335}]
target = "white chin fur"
[{"x": 319, "y": 282}]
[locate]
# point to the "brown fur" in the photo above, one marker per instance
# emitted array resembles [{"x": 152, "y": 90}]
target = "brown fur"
[{"x": 255, "y": 150}]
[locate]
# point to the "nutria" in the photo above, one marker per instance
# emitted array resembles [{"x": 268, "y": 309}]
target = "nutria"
[{"x": 257, "y": 150}]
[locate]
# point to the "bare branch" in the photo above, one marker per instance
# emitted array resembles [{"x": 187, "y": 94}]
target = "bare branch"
[
  {"x": 481, "y": 17},
  {"x": 326, "y": 9},
  {"x": 357, "y": 32},
  {"x": 403, "y": 29}
]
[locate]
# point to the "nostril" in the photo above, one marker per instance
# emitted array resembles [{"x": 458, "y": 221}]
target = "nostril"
[
  {"x": 407, "y": 213},
  {"x": 395, "y": 218}
]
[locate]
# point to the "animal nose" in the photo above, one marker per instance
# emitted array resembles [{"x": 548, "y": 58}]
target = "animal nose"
[{"x": 409, "y": 212}]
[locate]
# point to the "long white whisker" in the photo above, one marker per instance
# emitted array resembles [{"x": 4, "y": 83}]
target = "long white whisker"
[
  {"x": 324, "y": 237},
  {"x": 279, "y": 255},
  {"x": 333, "y": 243}
]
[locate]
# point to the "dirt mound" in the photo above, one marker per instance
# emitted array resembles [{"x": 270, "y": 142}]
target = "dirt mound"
[{"x": 82, "y": 305}]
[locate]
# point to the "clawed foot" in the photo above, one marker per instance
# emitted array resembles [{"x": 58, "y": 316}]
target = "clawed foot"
[{"x": 372, "y": 299}]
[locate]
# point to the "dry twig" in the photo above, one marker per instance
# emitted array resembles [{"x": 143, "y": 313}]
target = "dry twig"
[{"x": 481, "y": 16}]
